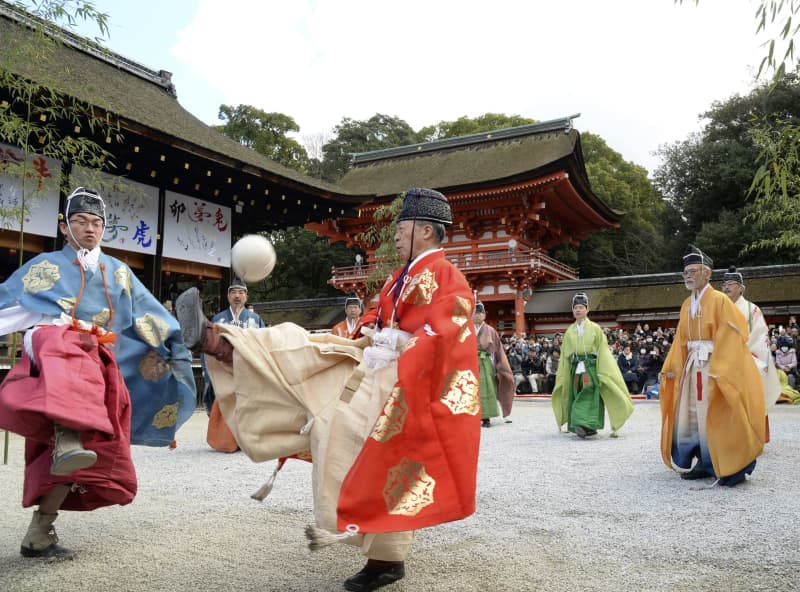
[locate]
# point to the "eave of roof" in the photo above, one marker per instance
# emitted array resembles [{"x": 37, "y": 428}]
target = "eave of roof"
[
  {"x": 141, "y": 98},
  {"x": 480, "y": 162}
]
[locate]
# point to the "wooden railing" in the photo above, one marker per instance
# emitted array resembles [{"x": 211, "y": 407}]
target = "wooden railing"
[{"x": 468, "y": 262}]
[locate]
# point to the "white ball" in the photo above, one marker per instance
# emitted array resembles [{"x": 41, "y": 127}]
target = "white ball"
[{"x": 253, "y": 258}]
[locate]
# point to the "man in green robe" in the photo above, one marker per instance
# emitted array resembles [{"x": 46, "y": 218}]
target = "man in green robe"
[
  {"x": 497, "y": 380},
  {"x": 588, "y": 380}
]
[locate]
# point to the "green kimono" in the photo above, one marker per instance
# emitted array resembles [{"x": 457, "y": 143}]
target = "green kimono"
[
  {"x": 488, "y": 390},
  {"x": 589, "y": 381}
]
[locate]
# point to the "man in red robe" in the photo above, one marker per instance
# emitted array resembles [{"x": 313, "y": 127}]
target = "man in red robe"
[{"x": 416, "y": 466}]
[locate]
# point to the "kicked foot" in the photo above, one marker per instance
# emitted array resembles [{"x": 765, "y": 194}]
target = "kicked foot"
[
  {"x": 189, "y": 310},
  {"x": 72, "y": 461}
]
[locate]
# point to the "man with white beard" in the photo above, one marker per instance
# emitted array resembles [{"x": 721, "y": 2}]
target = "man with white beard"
[{"x": 712, "y": 398}]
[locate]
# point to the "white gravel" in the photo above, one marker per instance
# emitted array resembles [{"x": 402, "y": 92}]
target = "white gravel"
[{"x": 555, "y": 513}]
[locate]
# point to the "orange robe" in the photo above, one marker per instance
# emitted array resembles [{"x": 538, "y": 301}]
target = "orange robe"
[
  {"x": 419, "y": 466},
  {"x": 735, "y": 422},
  {"x": 341, "y": 330}
]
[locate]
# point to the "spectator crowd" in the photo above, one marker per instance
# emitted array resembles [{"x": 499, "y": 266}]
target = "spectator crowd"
[{"x": 639, "y": 353}]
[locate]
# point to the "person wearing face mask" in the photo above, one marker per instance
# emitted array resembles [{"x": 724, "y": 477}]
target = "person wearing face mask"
[
  {"x": 733, "y": 286},
  {"x": 786, "y": 359},
  {"x": 641, "y": 364},
  {"x": 711, "y": 394},
  {"x": 588, "y": 380},
  {"x": 652, "y": 366},
  {"x": 103, "y": 366}
]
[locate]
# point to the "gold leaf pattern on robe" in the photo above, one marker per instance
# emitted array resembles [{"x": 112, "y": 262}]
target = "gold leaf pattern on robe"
[
  {"x": 151, "y": 329},
  {"x": 123, "y": 278},
  {"x": 460, "y": 393},
  {"x": 305, "y": 455},
  {"x": 420, "y": 288},
  {"x": 101, "y": 318},
  {"x": 166, "y": 417},
  {"x": 153, "y": 367},
  {"x": 66, "y": 303},
  {"x": 462, "y": 311},
  {"x": 408, "y": 488},
  {"x": 409, "y": 344},
  {"x": 392, "y": 418},
  {"x": 40, "y": 277}
]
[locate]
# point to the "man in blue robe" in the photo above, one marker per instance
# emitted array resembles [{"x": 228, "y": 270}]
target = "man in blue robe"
[
  {"x": 236, "y": 314},
  {"x": 103, "y": 366}
]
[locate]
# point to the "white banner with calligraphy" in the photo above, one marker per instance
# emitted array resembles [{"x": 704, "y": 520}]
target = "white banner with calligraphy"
[
  {"x": 41, "y": 192},
  {"x": 196, "y": 230},
  {"x": 131, "y": 210}
]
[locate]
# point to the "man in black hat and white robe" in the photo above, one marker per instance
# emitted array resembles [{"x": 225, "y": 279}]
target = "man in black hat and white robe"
[{"x": 759, "y": 343}]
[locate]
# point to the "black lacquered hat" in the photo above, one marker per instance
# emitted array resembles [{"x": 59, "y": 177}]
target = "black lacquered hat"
[{"x": 427, "y": 205}]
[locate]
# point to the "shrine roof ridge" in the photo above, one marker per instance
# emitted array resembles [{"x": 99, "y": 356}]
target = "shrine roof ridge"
[
  {"x": 160, "y": 78},
  {"x": 562, "y": 124}
]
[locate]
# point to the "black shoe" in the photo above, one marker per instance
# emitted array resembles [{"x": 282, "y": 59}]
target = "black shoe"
[
  {"x": 54, "y": 551},
  {"x": 581, "y": 432},
  {"x": 486, "y": 423},
  {"x": 736, "y": 478},
  {"x": 372, "y": 578},
  {"x": 590, "y": 432},
  {"x": 696, "y": 473},
  {"x": 189, "y": 311}
]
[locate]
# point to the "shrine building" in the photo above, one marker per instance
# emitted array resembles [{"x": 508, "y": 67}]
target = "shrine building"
[
  {"x": 515, "y": 194},
  {"x": 178, "y": 192}
]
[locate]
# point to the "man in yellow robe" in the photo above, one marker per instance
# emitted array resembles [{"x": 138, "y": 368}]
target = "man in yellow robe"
[{"x": 712, "y": 397}]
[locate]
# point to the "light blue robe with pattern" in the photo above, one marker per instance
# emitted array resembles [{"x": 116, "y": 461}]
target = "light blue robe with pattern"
[{"x": 149, "y": 350}]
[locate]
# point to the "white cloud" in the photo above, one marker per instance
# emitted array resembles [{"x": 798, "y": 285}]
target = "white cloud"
[{"x": 639, "y": 72}]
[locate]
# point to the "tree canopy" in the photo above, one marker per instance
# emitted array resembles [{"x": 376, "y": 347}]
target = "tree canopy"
[
  {"x": 637, "y": 246},
  {"x": 707, "y": 178},
  {"x": 352, "y": 136},
  {"x": 464, "y": 126},
  {"x": 304, "y": 266},
  {"x": 266, "y": 133}
]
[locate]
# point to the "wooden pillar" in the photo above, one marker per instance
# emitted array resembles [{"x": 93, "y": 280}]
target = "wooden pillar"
[{"x": 519, "y": 313}]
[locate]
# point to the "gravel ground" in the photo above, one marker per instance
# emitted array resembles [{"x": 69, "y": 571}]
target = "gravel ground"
[{"x": 554, "y": 513}]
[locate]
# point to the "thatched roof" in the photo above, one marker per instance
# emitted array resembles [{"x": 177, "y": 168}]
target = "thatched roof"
[
  {"x": 478, "y": 161},
  {"x": 143, "y": 99}
]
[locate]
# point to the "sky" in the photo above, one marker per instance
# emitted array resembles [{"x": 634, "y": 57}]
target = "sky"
[{"x": 639, "y": 72}]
